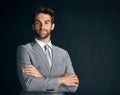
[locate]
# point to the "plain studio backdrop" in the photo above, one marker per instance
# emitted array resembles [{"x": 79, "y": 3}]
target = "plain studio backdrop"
[{"x": 88, "y": 29}]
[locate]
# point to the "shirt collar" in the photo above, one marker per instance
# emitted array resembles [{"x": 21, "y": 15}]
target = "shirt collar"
[{"x": 42, "y": 44}]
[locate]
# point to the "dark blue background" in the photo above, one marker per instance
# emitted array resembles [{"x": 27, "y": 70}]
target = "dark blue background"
[{"x": 88, "y": 29}]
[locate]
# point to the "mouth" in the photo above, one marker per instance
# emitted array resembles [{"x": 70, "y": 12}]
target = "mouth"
[{"x": 42, "y": 31}]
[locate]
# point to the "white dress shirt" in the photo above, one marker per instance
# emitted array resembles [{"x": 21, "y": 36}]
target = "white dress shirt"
[{"x": 42, "y": 44}]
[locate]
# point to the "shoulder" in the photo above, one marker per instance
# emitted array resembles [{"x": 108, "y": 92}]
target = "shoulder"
[
  {"x": 26, "y": 47},
  {"x": 60, "y": 50}
]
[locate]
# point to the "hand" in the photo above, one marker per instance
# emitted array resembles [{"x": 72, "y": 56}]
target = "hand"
[
  {"x": 68, "y": 80},
  {"x": 30, "y": 70}
]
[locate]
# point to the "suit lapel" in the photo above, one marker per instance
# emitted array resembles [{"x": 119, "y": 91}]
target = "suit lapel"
[
  {"x": 39, "y": 50},
  {"x": 54, "y": 54}
]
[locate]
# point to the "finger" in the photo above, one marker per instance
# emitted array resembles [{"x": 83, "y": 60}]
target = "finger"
[
  {"x": 33, "y": 74},
  {"x": 27, "y": 70},
  {"x": 75, "y": 81},
  {"x": 29, "y": 73},
  {"x": 26, "y": 67},
  {"x": 74, "y": 76},
  {"x": 29, "y": 67},
  {"x": 74, "y": 84},
  {"x": 71, "y": 77}
]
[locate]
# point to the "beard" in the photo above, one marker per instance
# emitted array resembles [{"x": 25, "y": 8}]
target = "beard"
[{"x": 43, "y": 34}]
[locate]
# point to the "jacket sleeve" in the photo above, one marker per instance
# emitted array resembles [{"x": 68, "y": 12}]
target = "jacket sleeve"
[
  {"x": 29, "y": 83},
  {"x": 69, "y": 70}
]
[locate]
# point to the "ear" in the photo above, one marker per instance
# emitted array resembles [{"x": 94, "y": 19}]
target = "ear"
[
  {"x": 53, "y": 26},
  {"x": 33, "y": 27}
]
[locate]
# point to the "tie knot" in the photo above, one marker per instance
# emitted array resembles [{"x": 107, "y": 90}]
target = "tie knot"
[{"x": 46, "y": 47}]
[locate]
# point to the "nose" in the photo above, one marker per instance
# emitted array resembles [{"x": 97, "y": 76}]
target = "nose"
[{"x": 42, "y": 26}]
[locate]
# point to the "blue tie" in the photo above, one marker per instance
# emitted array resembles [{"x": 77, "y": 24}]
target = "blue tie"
[{"x": 49, "y": 56}]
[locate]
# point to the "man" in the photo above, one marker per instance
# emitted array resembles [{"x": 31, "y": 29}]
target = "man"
[{"x": 43, "y": 68}]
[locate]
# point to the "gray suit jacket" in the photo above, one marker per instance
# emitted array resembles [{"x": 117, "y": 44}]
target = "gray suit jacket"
[{"x": 32, "y": 53}]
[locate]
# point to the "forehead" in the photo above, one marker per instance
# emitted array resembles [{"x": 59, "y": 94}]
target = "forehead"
[{"x": 42, "y": 16}]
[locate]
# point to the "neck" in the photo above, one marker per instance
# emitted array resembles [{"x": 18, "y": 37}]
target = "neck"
[{"x": 45, "y": 40}]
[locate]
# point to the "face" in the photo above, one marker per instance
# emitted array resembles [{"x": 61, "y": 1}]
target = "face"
[{"x": 43, "y": 26}]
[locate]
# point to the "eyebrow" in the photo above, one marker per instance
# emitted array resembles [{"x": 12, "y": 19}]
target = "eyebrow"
[{"x": 45, "y": 20}]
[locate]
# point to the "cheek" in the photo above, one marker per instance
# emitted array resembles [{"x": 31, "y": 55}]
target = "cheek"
[{"x": 37, "y": 27}]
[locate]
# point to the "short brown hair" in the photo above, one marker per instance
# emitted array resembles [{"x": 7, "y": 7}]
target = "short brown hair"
[{"x": 45, "y": 10}]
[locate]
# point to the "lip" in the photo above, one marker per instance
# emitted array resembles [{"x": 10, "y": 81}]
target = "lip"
[{"x": 42, "y": 31}]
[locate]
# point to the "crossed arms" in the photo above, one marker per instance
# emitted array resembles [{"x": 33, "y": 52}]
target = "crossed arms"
[
  {"x": 66, "y": 80},
  {"x": 33, "y": 80}
]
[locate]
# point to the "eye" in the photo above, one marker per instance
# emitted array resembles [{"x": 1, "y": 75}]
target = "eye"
[
  {"x": 47, "y": 22},
  {"x": 37, "y": 22}
]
